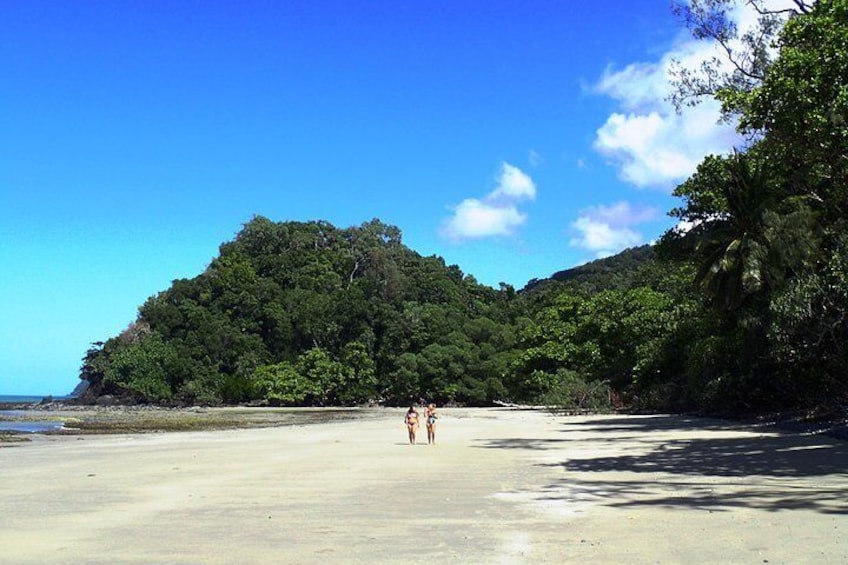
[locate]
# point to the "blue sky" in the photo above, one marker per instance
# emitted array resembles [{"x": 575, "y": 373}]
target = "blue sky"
[{"x": 514, "y": 139}]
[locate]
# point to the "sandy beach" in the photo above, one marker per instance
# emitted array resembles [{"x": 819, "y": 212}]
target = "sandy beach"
[{"x": 501, "y": 486}]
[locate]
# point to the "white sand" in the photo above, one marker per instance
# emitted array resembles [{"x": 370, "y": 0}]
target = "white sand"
[{"x": 501, "y": 486}]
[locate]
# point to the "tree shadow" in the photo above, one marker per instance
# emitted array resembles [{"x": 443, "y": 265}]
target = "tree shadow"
[
  {"x": 533, "y": 444},
  {"x": 653, "y": 423},
  {"x": 768, "y": 456},
  {"x": 723, "y": 468},
  {"x": 760, "y": 495},
  {"x": 614, "y": 429}
]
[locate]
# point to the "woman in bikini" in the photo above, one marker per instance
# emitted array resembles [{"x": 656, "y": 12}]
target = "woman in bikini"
[
  {"x": 431, "y": 417},
  {"x": 411, "y": 421}
]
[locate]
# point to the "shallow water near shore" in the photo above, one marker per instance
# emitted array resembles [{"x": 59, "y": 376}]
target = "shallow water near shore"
[
  {"x": 27, "y": 422},
  {"x": 30, "y": 427},
  {"x": 70, "y": 420}
]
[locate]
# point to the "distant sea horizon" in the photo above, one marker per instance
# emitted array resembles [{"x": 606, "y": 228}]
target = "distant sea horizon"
[{"x": 27, "y": 398}]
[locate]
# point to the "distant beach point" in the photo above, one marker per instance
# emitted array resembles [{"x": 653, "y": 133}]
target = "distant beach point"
[{"x": 502, "y": 486}]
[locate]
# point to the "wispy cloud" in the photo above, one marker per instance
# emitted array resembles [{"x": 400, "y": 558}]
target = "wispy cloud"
[
  {"x": 534, "y": 158},
  {"x": 649, "y": 142},
  {"x": 496, "y": 214},
  {"x": 605, "y": 230}
]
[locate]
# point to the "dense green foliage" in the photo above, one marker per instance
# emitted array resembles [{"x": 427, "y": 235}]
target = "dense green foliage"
[
  {"x": 308, "y": 314},
  {"x": 769, "y": 236},
  {"x": 745, "y": 311},
  {"x": 305, "y": 313}
]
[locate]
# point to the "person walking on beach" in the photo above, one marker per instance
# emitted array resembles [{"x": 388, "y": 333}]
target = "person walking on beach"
[
  {"x": 411, "y": 421},
  {"x": 430, "y": 417}
]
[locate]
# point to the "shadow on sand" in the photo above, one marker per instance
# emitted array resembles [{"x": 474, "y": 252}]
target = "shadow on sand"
[{"x": 656, "y": 463}]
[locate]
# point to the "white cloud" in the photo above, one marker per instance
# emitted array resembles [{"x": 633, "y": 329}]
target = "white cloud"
[
  {"x": 684, "y": 227},
  {"x": 650, "y": 143},
  {"x": 621, "y": 214},
  {"x": 497, "y": 213},
  {"x": 605, "y": 230},
  {"x": 474, "y": 218},
  {"x": 602, "y": 238},
  {"x": 636, "y": 86},
  {"x": 513, "y": 184}
]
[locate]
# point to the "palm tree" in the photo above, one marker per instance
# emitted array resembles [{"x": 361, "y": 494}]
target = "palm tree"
[{"x": 757, "y": 242}]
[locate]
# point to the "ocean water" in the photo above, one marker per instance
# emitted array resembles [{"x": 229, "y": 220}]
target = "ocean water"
[
  {"x": 29, "y": 427},
  {"x": 19, "y": 399},
  {"x": 28, "y": 399},
  {"x": 10, "y": 423}
]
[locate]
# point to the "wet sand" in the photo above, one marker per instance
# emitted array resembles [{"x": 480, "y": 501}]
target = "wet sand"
[{"x": 501, "y": 486}]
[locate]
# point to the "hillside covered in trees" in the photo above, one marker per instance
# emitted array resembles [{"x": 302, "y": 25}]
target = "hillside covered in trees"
[
  {"x": 306, "y": 313},
  {"x": 746, "y": 310}
]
